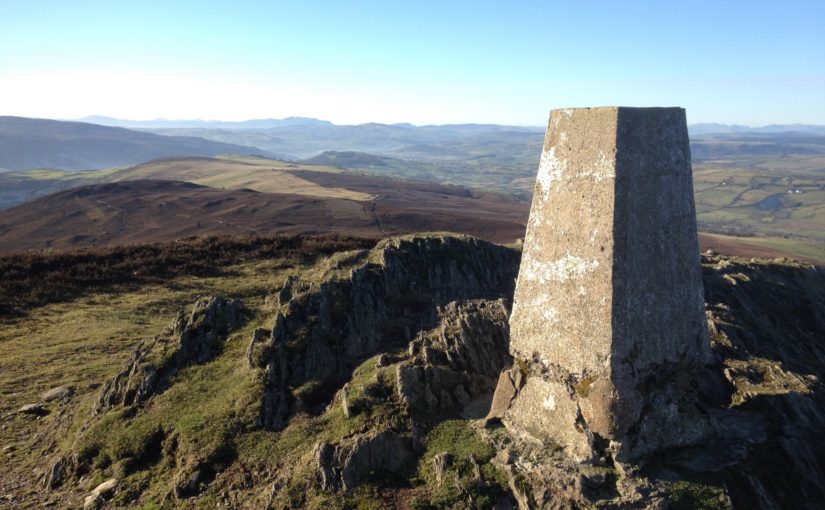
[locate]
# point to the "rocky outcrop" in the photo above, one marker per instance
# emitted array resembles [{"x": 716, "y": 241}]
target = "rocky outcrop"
[
  {"x": 345, "y": 465},
  {"x": 457, "y": 360},
  {"x": 387, "y": 297},
  {"x": 189, "y": 340},
  {"x": 760, "y": 402}
]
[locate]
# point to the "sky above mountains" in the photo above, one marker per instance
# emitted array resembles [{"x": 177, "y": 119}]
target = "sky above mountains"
[{"x": 424, "y": 62}]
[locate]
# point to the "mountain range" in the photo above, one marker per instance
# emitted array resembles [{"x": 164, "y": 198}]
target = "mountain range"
[
  {"x": 41, "y": 143},
  {"x": 694, "y": 129}
]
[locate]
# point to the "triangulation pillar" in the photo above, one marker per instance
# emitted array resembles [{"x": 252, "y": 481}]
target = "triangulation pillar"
[{"x": 608, "y": 317}]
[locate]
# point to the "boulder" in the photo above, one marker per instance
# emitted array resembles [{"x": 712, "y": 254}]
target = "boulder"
[
  {"x": 59, "y": 393},
  {"x": 343, "y": 466},
  {"x": 100, "y": 494},
  {"x": 441, "y": 462},
  {"x": 36, "y": 409}
]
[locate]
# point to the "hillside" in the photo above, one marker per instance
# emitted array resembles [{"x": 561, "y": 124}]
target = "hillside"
[
  {"x": 160, "y": 210},
  {"x": 763, "y": 187},
  {"x": 317, "y": 193},
  {"x": 39, "y": 143},
  {"x": 236, "y": 376}
]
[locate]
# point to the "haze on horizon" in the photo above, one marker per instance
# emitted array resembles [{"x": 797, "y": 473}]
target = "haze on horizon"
[{"x": 425, "y": 62}]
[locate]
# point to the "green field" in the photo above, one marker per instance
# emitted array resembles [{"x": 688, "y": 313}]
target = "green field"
[{"x": 782, "y": 197}]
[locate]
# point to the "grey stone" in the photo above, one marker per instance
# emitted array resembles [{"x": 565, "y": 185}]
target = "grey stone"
[
  {"x": 609, "y": 296},
  {"x": 59, "y": 393},
  {"x": 345, "y": 465},
  {"x": 100, "y": 494},
  {"x": 36, "y": 409},
  {"x": 106, "y": 488},
  {"x": 505, "y": 391},
  {"x": 345, "y": 401},
  {"x": 192, "y": 340},
  {"x": 56, "y": 474},
  {"x": 253, "y": 357},
  {"x": 441, "y": 463},
  {"x": 92, "y": 501},
  {"x": 388, "y": 299}
]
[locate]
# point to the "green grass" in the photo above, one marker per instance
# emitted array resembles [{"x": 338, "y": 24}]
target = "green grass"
[
  {"x": 794, "y": 247},
  {"x": 84, "y": 341},
  {"x": 728, "y": 193},
  {"x": 687, "y": 495},
  {"x": 461, "y": 441}
]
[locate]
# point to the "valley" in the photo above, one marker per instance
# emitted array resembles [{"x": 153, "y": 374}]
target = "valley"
[
  {"x": 757, "y": 191},
  {"x": 179, "y": 197}
]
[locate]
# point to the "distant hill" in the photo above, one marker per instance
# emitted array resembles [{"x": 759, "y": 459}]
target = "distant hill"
[
  {"x": 305, "y": 140},
  {"x": 211, "y": 124},
  {"x": 347, "y": 159},
  {"x": 705, "y": 128},
  {"x": 744, "y": 146},
  {"x": 157, "y": 210},
  {"x": 39, "y": 143}
]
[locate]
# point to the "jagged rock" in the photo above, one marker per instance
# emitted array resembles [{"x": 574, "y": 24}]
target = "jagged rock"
[
  {"x": 762, "y": 401},
  {"x": 458, "y": 359},
  {"x": 343, "y": 466},
  {"x": 323, "y": 456},
  {"x": 478, "y": 475},
  {"x": 324, "y": 331},
  {"x": 441, "y": 462},
  {"x": 189, "y": 340},
  {"x": 254, "y": 355},
  {"x": 345, "y": 402},
  {"x": 56, "y": 474},
  {"x": 504, "y": 393},
  {"x": 59, "y": 393}
]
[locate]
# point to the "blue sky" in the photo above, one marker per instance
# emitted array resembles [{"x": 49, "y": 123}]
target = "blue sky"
[{"x": 424, "y": 62}]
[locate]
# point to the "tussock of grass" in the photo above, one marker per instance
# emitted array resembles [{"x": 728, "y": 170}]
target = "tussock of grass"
[{"x": 460, "y": 440}]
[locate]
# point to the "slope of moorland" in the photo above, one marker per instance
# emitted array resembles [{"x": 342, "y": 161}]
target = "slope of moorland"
[
  {"x": 233, "y": 172},
  {"x": 336, "y": 373},
  {"x": 40, "y": 143},
  {"x": 407, "y": 206},
  {"x": 157, "y": 210},
  {"x": 763, "y": 187}
]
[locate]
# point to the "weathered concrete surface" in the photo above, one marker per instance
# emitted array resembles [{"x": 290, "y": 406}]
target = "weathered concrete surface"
[{"x": 609, "y": 298}]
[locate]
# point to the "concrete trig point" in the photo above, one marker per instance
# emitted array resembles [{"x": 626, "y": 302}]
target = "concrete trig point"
[{"x": 608, "y": 317}]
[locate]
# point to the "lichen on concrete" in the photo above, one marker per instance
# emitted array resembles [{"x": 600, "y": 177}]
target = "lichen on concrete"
[{"x": 609, "y": 288}]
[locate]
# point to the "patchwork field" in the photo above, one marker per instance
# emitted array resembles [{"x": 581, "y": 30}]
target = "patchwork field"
[{"x": 769, "y": 197}]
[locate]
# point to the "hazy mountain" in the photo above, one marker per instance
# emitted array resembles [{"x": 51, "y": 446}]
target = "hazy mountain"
[
  {"x": 41, "y": 143},
  {"x": 705, "y": 128},
  {"x": 198, "y": 123},
  {"x": 301, "y": 141},
  {"x": 749, "y": 144}
]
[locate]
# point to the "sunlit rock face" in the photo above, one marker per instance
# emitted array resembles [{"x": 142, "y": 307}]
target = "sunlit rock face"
[{"x": 608, "y": 318}]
